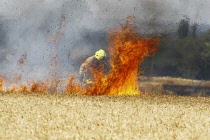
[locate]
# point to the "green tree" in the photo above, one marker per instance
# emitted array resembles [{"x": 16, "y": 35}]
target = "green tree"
[
  {"x": 194, "y": 29},
  {"x": 205, "y": 55},
  {"x": 189, "y": 64},
  {"x": 183, "y": 29}
]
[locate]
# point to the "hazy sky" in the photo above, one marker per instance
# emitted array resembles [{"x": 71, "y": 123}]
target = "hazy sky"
[{"x": 196, "y": 10}]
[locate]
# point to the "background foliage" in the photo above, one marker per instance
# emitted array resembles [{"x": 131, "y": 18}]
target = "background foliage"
[{"x": 184, "y": 54}]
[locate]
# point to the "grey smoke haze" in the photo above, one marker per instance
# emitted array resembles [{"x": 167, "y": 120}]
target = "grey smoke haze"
[{"x": 36, "y": 31}]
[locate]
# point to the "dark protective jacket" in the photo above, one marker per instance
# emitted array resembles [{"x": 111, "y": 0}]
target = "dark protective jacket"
[{"x": 90, "y": 67}]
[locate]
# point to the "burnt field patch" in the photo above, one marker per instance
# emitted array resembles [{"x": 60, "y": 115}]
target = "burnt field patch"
[
  {"x": 59, "y": 116},
  {"x": 175, "y": 86}
]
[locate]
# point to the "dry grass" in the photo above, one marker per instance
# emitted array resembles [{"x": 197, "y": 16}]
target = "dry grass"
[
  {"x": 50, "y": 116},
  {"x": 155, "y": 84},
  {"x": 176, "y": 81}
]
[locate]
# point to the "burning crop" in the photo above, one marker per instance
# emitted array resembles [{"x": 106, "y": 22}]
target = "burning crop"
[{"x": 127, "y": 50}]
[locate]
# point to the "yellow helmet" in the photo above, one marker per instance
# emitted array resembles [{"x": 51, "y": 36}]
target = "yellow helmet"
[{"x": 101, "y": 54}]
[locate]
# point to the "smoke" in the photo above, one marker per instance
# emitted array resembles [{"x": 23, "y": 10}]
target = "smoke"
[
  {"x": 41, "y": 38},
  {"x": 42, "y": 35}
]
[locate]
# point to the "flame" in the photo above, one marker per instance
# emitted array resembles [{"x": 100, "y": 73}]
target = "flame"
[
  {"x": 14, "y": 85},
  {"x": 2, "y": 82},
  {"x": 127, "y": 51},
  {"x": 72, "y": 87},
  {"x": 34, "y": 86}
]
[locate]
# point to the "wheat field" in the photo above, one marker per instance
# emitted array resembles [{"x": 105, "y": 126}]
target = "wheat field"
[{"x": 61, "y": 116}]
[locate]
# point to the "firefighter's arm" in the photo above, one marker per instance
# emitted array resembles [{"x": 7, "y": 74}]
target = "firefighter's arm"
[
  {"x": 84, "y": 66},
  {"x": 82, "y": 69},
  {"x": 81, "y": 72}
]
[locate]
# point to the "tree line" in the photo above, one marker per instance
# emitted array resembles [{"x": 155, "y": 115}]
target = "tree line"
[{"x": 185, "y": 54}]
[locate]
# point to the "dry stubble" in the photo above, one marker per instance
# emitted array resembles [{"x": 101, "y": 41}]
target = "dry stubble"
[{"x": 50, "y": 116}]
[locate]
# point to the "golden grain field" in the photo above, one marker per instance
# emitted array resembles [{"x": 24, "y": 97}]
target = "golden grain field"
[{"x": 51, "y": 116}]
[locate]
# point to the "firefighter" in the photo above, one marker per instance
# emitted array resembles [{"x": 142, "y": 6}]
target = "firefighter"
[{"x": 91, "y": 66}]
